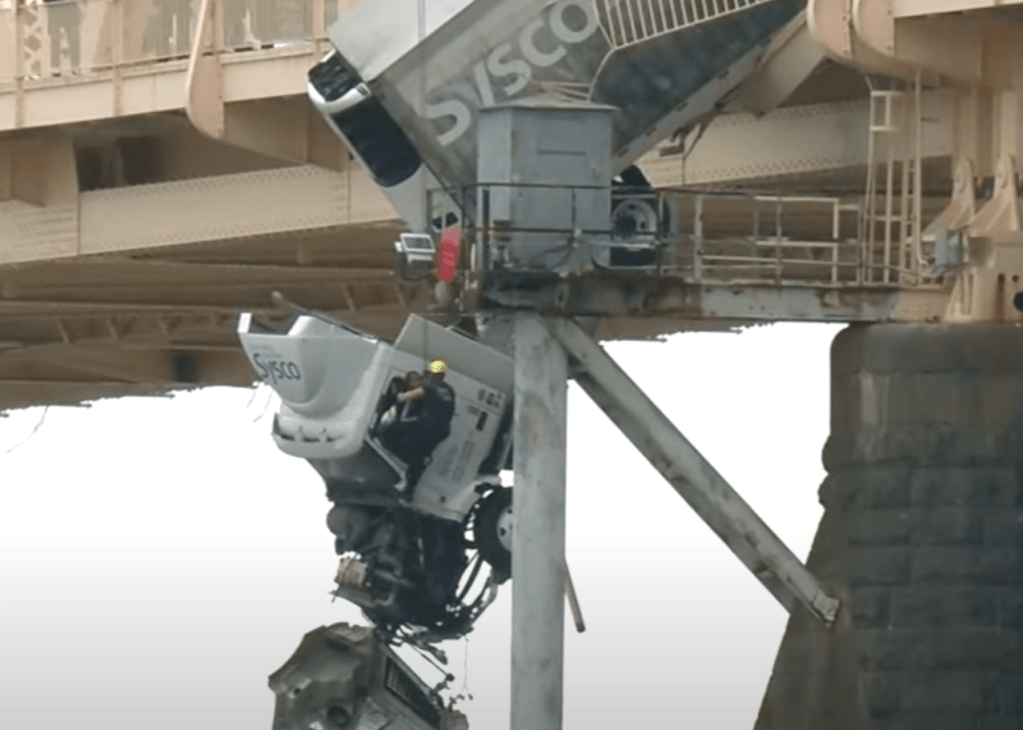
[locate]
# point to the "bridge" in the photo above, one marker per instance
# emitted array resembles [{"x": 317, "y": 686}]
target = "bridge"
[{"x": 161, "y": 170}]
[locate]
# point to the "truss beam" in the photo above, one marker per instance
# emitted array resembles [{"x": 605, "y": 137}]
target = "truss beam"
[
  {"x": 797, "y": 140},
  {"x": 692, "y": 476}
]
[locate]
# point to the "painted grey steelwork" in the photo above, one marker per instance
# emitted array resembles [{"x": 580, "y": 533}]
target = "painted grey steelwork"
[
  {"x": 538, "y": 550},
  {"x": 546, "y": 172},
  {"x": 796, "y": 257},
  {"x": 627, "y": 295},
  {"x": 498, "y": 331},
  {"x": 692, "y": 476}
]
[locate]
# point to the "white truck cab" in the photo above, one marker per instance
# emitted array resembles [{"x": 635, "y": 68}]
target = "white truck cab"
[{"x": 396, "y": 531}]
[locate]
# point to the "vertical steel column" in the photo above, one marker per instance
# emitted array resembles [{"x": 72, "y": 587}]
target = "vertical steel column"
[{"x": 538, "y": 550}]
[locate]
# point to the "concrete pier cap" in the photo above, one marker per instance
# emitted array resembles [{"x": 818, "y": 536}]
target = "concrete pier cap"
[{"x": 921, "y": 539}]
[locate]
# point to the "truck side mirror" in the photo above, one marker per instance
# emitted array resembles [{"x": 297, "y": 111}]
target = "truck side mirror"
[{"x": 417, "y": 248}]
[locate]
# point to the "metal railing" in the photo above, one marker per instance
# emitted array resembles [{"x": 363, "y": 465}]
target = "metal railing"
[
  {"x": 789, "y": 239},
  {"x": 627, "y": 22},
  {"x": 40, "y": 40},
  {"x": 705, "y": 237},
  {"x": 783, "y": 239}
]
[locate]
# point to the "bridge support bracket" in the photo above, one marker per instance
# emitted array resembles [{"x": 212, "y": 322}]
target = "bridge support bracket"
[{"x": 691, "y": 475}]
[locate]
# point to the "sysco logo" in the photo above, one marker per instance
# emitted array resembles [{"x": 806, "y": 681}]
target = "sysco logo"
[
  {"x": 272, "y": 371},
  {"x": 509, "y": 67}
]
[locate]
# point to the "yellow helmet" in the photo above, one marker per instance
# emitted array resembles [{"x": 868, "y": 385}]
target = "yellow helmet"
[{"x": 438, "y": 367}]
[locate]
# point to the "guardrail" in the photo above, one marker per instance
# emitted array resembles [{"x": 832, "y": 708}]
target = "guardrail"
[
  {"x": 720, "y": 238},
  {"x": 42, "y": 40},
  {"x": 627, "y": 22},
  {"x": 788, "y": 238}
]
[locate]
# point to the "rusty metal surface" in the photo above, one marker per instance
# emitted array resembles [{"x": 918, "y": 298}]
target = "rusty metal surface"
[{"x": 640, "y": 297}]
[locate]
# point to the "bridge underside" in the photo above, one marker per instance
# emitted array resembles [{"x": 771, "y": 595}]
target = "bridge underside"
[{"x": 129, "y": 241}]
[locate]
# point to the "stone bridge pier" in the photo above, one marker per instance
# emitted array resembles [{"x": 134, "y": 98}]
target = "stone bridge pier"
[{"x": 921, "y": 539}]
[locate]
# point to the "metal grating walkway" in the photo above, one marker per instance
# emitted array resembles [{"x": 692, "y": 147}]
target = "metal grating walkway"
[{"x": 628, "y": 22}]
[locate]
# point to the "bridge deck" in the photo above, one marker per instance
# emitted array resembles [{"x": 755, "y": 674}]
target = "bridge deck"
[
  {"x": 74, "y": 61},
  {"x": 129, "y": 242}
]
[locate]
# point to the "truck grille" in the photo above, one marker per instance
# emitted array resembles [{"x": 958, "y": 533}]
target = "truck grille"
[{"x": 399, "y": 684}]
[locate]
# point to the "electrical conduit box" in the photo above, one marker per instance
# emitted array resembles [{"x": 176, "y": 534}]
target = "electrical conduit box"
[{"x": 544, "y": 183}]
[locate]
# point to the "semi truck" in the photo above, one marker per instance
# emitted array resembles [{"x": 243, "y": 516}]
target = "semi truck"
[
  {"x": 412, "y": 542},
  {"x": 404, "y": 87}
]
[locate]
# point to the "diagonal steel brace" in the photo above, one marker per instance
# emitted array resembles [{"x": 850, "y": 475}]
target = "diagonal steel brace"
[{"x": 692, "y": 476}]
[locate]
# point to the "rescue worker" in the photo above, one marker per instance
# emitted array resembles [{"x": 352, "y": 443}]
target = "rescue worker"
[
  {"x": 438, "y": 401},
  {"x": 389, "y": 403},
  {"x": 420, "y": 419}
]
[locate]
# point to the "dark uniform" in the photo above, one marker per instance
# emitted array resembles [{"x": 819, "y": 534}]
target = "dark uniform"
[
  {"x": 421, "y": 425},
  {"x": 437, "y": 411},
  {"x": 389, "y": 398}
]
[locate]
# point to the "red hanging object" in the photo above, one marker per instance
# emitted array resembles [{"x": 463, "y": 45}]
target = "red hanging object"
[{"x": 448, "y": 256}]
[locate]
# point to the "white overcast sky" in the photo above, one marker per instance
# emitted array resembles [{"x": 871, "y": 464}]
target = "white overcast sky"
[{"x": 160, "y": 557}]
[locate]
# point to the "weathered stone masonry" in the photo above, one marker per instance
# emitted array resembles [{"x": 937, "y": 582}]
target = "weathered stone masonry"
[{"x": 922, "y": 539}]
